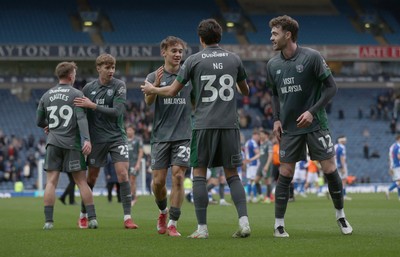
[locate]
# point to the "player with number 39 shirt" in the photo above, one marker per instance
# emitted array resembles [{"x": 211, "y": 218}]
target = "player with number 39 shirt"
[
  {"x": 67, "y": 126},
  {"x": 216, "y": 75}
]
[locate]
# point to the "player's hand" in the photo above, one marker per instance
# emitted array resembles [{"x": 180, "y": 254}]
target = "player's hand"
[
  {"x": 84, "y": 102},
  {"x": 305, "y": 120},
  {"x": 86, "y": 148},
  {"x": 147, "y": 88},
  {"x": 137, "y": 167},
  {"x": 159, "y": 74},
  {"x": 278, "y": 130},
  {"x": 46, "y": 130},
  {"x": 264, "y": 173}
]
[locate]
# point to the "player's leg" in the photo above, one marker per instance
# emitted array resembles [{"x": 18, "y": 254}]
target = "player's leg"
[
  {"x": 96, "y": 159},
  {"x": 221, "y": 190},
  {"x": 268, "y": 185},
  {"x": 200, "y": 200},
  {"x": 257, "y": 182},
  {"x": 286, "y": 171},
  {"x": 53, "y": 165},
  {"x": 212, "y": 182},
  {"x": 229, "y": 152},
  {"x": 294, "y": 149},
  {"x": 321, "y": 148},
  {"x": 335, "y": 188},
  {"x": 239, "y": 199},
  {"x": 91, "y": 181},
  {"x": 160, "y": 161},
  {"x": 396, "y": 178},
  {"x": 176, "y": 199},
  {"x": 110, "y": 186},
  {"x": 87, "y": 196},
  {"x": 121, "y": 168},
  {"x": 160, "y": 194},
  {"x": 49, "y": 197},
  {"x": 132, "y": 181},
  {"x": 200, "y": 153},
  {"x": 118, "y": 189},
  {"x": 71, "y": 189},
  {"x": 180, "y": 154}
]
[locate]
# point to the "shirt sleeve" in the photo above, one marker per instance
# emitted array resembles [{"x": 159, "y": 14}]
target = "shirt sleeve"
[
  {"x": 118, "y": 103},
  {"x": 40, "y": 115}
]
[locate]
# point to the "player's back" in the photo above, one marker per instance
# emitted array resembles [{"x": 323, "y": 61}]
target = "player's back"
[
  {"x": 214, "y": 73},
  {"x": 60, "y": 112}
]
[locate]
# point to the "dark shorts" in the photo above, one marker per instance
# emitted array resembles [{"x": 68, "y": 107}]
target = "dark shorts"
[
  {"x": 293, "y": 148},
  {"x": 61, "y": 159},
  {"x": 215, "y": 147},
  {"x": 260, "y": 171},
  {"x": 117, "y": 150},
  {"x": 217, "y": 172},
  {"x": 165, "y": 154}
]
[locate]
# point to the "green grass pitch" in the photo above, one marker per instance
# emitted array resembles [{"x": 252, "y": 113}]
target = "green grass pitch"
[{"x": 309, "y": 221}]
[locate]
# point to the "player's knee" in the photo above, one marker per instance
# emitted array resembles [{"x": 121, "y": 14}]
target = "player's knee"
[
  {"x": 178, "y": 178},
  {"x": 159, "y": 182}
]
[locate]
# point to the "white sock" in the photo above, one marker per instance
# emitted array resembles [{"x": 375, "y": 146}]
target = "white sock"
[
  {"x": 202, "y": 227},
  {"x": 339, "y": 214},
  {"x": 279, "y": 222},
  {"x": 165, "y": 211},
  {"x": 243, "y": 221},
  {"x": 127, "y": 217},
  {"x": 172, "y": 223},
  {"x": 82, "y": 215}
]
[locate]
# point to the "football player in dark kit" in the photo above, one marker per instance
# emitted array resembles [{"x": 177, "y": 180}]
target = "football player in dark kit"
[
  {"x": 67, "y": 142},
  {"x": 216, "y": 76},
  {"x": 105, "y": 100},
  {"x": 302, "y": 85},
  {"x": 170, "y": 137}
]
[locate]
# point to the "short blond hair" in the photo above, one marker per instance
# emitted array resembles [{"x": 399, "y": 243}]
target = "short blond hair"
[{"x": 106, "y": 59}]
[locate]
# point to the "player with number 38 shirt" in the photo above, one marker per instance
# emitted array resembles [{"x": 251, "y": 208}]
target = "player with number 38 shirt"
[{"x": 215, "y": 74}]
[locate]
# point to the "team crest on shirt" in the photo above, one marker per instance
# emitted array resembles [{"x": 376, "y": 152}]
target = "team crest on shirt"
[
  {"x": 278, "y": 72},
  {"x": 325, "y": 64},
  {"x": 282, "y": 153},
  {"x": 300, "y": 68},
  {"x": 110, "y": 92},
  {"x": 122, "y": 90}
]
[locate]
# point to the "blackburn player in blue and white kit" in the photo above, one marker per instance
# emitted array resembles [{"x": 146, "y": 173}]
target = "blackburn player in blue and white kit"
[
  {"x": 299, "y": 178},
  {"x": 394, "y": 158},
  {"x": 252, "y": 154},
  {"x": 341, "y": 162}
]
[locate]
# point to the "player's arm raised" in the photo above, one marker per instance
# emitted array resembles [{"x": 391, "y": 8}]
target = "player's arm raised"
[{"x": 149, "y": 99}]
